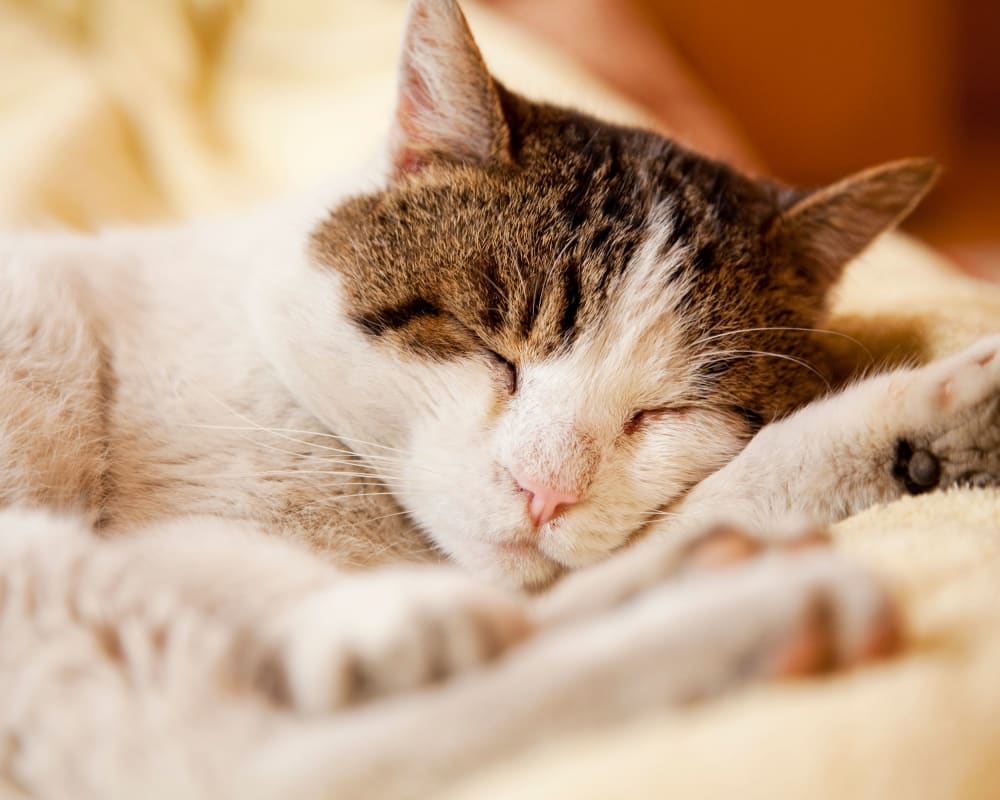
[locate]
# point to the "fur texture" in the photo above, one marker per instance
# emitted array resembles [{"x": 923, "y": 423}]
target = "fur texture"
[{"x": 219, "y": 425}]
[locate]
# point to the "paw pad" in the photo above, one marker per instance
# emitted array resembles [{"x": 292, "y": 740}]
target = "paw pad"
[{"x": 919, "y": 470}]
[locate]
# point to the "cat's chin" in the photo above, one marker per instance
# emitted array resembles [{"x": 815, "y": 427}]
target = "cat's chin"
[{"x": 525, "y": 566}]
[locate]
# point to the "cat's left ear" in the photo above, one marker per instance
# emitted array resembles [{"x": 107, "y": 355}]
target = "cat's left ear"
[
  {"x": 823, "y": 230},
  {"x": 448, "y": 108}
]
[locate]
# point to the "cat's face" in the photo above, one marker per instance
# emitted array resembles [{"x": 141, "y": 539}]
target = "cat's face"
[{"x": 559, "y": 326}]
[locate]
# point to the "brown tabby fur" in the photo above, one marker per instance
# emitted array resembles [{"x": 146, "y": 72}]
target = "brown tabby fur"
[{"x": 522, "y": 252}]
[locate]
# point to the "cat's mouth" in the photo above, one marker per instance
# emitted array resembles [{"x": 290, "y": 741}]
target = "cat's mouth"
[{"x": 537, "y": 558}]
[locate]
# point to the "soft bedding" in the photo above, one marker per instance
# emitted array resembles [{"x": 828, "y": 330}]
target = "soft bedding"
[{"x": 114, "y": 111}]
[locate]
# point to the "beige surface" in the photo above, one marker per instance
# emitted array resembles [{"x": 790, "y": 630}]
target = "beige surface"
[
  {"x": 121, "y": 110},
  {"x": 127, "y": 110}
]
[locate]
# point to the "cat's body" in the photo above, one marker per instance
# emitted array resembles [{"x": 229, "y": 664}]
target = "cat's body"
[
  {"x": 163, "y": 390},
  {"x": 525, "y": 341}
]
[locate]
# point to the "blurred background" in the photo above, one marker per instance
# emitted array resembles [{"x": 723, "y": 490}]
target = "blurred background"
[
  {"x": 811, "y": 91},
  {"x": 138, "y": 110}
]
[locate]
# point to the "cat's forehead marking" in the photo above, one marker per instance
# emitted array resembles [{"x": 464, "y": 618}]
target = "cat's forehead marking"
[{"x": 596, "y": 233}]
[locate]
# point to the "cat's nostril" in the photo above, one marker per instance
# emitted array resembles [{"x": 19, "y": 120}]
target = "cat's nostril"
[{"x": 544, "y": 502}]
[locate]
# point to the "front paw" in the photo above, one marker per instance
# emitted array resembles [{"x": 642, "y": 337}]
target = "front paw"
[
  {"x": 783, "y": 613},
  {"x": 735, "y": 613},
  {"x": 651, "y": 562},
  {"x": 951, "y": 413},
  {"x": 385, "y": 632},
  {"x": 843, "y": 618}
]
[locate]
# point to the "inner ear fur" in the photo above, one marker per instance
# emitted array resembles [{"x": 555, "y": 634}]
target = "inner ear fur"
[{"x": 448, "y": 106}]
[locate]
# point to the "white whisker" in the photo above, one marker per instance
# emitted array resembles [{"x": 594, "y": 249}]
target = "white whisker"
[
  {"x": 357, "y": 459},
  {"x": 379, "y": 519},
  {"x": 824, "y": 331},
  {"x": 719, "y": 355},
  {"x": 291, "y": 472}
]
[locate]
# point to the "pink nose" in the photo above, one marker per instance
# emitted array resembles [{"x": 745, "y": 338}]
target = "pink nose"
[{"x": 544, "y": 502}]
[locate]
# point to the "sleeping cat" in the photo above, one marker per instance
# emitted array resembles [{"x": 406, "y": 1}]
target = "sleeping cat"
[{"x": 517, "y": 371}]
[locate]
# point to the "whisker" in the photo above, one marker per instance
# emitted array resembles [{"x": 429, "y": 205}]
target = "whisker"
[
  {"x": 654, "y": 514},
  {"x": 721, "y": 354},
  {"x": 339, "y": 497},
  {"x": 399, "y": 479},
  {"x": 353, "y": 463},
  {"x": 349, "y": 439},
  {"x": 379, "y": 519},
  {"x": 825, "y": 331},
  {"x": 280, "y": 431},
  {"x": 493, "y": 283},
  {"x": 429, "y": 549},
  {"x": 278, "y": 472},
  {"x": 358, "y": 459},
  {"x": 357, "y": 464}
]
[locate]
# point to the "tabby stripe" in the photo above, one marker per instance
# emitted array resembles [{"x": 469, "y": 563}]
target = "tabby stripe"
[
  {"x": 704, "y": 259},
  {"x": 395, "y": 317},
  {"x": 533, "y": 306},
  {"x": 681, "y": 229},
  {"x": 571, "y": 298},
  {"x": 496, "y": 299}
]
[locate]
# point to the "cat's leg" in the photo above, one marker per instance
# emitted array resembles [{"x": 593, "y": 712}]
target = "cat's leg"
[
  {"x": 119, "y": 657},
  {"x": 903, "y": 432},
  {"x": 55, "y": 380},
  {"x": 785, "y": 612},
  {"x": 311, "y": 636},
  {"x": 368, "y": 636},
  {"x": 161, "y": 641}
]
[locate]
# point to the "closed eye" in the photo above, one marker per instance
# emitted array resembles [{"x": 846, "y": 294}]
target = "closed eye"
[
  {"x": 506, "y": 370},
  {"x": 643, "y": 418},
  {"x": 754, "y": 420}
]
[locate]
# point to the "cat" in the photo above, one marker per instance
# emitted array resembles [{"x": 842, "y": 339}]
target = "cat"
[{"x": 442, "y": 449}]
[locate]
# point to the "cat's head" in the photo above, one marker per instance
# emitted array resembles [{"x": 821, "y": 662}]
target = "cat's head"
[{"x": 560, "y": 325}]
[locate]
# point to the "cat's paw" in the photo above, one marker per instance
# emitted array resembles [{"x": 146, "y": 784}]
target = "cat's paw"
[
  {"x": 648, "y": 564},
  {"x": 951, "y": 410},
  {"x": 386, "y": 632},
  {"x": 782, "y": 613},
  {"x": 955, "y": 383},
  {"x": 727, "y": 545},
  {"x": 843, "y": 617}
]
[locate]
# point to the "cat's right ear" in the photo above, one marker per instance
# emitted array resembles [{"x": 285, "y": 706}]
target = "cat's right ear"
[
  {"x": 448, "y": 107},
  {"x": 822, "y": 230}
]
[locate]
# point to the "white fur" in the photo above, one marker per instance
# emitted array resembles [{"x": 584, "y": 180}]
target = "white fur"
[
  {"x": 166, "y": 659},
  {"x": 213, "y": 445}
]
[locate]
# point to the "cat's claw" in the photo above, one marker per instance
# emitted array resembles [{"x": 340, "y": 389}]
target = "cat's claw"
[{"x": 385, "y": 633}]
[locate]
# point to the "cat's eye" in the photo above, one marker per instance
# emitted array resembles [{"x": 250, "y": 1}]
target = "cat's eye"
[
  {"x": 506, "y": 370},
  {"x": 639, "y": 419},
  {"x": 754, "y": 420}
]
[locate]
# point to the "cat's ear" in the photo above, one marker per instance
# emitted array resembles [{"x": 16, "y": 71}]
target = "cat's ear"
[
  {"x": 824, "y": 229},
  {"x": 448, "y": 107}
]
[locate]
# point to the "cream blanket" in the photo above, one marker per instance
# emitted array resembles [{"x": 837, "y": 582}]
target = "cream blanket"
[{"x": 119, "y": 110}]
